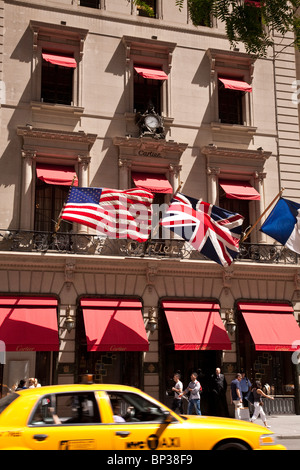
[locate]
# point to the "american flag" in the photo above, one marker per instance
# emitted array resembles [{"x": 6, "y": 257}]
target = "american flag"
[
  {"x": 112, "y": 213},
  {"x": 213, "y": 231}
]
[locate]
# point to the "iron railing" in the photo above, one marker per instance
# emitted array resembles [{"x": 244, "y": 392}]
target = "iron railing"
[{"x": 76, "y": 243}]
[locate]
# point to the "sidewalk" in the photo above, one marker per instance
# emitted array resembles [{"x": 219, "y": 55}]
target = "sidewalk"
[{"x": 284, "y": 426}]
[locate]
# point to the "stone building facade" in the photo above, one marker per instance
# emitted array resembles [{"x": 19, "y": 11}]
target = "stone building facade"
[{"x": 74, "y": 76}]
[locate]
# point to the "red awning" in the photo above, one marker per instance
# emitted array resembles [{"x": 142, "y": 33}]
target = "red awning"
[
  {"x": 272, "y": 326},
  {"x": 239, "y": 190},
  {"x": 29, "y": 323},
  {"x": 232, "y": 84},
  {"x": 114, "y": 325},
  {"x": 56, "y": 174},
  {"x": 61, "y": 60},
  {"x": 196, "y": 325},
  {"x": 155, "y": 74},
  {"x": 153, "y": 182}
]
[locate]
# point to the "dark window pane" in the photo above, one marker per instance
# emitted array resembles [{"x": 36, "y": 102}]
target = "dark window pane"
[
  {"x": 230, "y": 105},
  {"x": 49, "y": 200},
  {"x": 90, "y": 3},
  {"x": 57, "y": 84},
  {"x": 147, "y": 93}
]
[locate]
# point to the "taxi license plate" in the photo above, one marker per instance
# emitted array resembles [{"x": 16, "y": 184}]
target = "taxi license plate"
[{"x": 80, "y": 444}]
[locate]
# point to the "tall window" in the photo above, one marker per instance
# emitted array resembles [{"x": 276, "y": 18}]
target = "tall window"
[
  {"x": 49, "y": 200},
  {"x": 147, "y": 93},
  {"x": 230, "y": 105},
  {"x": 239, "y": 206},
  {"x": 57, "y": 80}
]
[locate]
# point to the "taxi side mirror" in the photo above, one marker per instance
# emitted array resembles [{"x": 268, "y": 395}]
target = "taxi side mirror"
[{"x": 167, "y": 417}]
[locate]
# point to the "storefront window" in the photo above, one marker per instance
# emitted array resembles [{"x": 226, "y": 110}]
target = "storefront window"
[
  {"x": 270, "y": 367},
  {"x": 112, "y": 367}
]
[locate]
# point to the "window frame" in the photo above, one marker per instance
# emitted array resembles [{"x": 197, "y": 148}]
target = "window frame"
[
  {"x": 60, "y": 40},
  {"x": 239, "y": 66}
]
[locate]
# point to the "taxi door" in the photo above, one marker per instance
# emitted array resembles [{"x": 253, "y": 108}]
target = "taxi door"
[
  {"x": 68, "y": 421},
  {"x": 68, "y": 437},
  {"x": 172, "y": 436}
]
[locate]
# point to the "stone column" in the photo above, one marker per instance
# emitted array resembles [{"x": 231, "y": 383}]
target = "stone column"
[
  {"x": 212, "y": 189},
  {"x": 26, "y": 215},
  {"x": 259, "y": 186},
  {"x": 124, "y": 166},
  {"x": 83, "y": 182}
]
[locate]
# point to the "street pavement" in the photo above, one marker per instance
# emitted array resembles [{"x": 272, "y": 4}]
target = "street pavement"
[
  {"x": 284, "y": 426},
  {"x": 286, "y": 429}
]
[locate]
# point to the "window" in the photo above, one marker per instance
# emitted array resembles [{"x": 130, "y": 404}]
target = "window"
[
  {"x": 66, "y": 408},
  {"x": 147, "y": 93},
  {"x": 231, "y": 77},
  {"x": 90, "y": 3},
  {"x": 57, "y": 80},
  {"x": 49, "y": 200},
  {"x": 230, "y": 105},
  {"x": 129, "y": 407},
  {"x": 150, "y": 10},
  {"x": 235, "y": 205},
  {"x": 57, "y": 54}
]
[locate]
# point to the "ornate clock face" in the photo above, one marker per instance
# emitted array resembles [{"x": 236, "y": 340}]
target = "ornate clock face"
[{"x": 152, "y": 122}]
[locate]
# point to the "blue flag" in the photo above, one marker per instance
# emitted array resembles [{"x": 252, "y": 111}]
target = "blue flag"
[{"x": 283, "y": 224}]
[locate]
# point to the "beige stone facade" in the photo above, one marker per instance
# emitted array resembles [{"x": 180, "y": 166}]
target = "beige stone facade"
[{"x": 95, "y": 133}]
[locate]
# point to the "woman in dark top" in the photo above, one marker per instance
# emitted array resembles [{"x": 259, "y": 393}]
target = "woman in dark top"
[{"x": 258, "y": 404}]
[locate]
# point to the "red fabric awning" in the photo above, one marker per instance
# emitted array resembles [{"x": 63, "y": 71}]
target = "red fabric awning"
[
  {"x": 153, "y": 182},
  {"x": 196, "y": 325},
  {"x": 272, "y": 326},
  {"x": 61, "y": 60},
  {"x": 232, "y": 84},
  {"x": 155, "y": 74},
  {"x": 29, "y": 323},
  {"x": 239, "y": 190},
  {"x": 114, "y": 325},
  {"x": 56, "y": 174}
]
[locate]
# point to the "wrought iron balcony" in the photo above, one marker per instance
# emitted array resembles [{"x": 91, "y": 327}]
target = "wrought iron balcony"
[{"x": 85, "y": 244}]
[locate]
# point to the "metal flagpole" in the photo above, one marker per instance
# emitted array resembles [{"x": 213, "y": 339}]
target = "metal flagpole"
[
  {"x": 57, "y": 225},
  {"x": 246, "y": 235}
]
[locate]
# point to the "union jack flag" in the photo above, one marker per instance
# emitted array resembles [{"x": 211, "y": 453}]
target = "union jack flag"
[
  {"x": 213, "y": 231},
  {"x": 111, "y": 212}
]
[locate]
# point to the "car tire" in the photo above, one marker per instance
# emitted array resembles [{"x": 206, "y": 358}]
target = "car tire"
[{"x": 231, "y": 445}]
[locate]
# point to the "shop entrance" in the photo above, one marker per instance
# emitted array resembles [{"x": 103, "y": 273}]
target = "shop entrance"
[
  {"x": 112, "y": 367},
  {"x": 185, "y": 362}
]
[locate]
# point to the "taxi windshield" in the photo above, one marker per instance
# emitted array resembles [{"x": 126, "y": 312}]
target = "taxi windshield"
[{"x": 6, "y": 401}]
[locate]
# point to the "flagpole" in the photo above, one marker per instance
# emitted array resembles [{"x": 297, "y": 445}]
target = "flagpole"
[
  {"x": 173, "y": 195},
  {"x": 246, "y": 235},
  {"x": 57, "y": 225}
]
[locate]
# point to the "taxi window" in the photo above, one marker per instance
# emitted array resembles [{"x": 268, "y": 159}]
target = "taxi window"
[
  {"x": 66, "y": 409},
  {"x": 131, "y": 407},
  {"x": 6, "y": 401}
]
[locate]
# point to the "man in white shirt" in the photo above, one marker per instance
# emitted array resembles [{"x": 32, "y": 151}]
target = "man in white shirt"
[{"x": 177, "y": 401}]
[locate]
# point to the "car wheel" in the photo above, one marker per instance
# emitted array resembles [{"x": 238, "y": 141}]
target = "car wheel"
[{"x": 231, "y": 445}]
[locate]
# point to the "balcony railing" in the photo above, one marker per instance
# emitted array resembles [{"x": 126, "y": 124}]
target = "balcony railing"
[{"x": 75, "y": 243}]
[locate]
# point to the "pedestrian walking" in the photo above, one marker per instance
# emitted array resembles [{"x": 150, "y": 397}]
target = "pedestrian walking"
[
  {"x": 177, "y": 389},
  {"x": 194, "y": 388},
  {"x": 236, "y": 395},
  {"x": 21, "y": 385},
  {"x": 245, "y": 388},
  {"x": 258, "y": 394},
  {"x": 218, "y": 387}
]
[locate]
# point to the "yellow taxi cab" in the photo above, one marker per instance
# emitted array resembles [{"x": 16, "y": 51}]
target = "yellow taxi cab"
[{"x": 115, "y": 417}]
